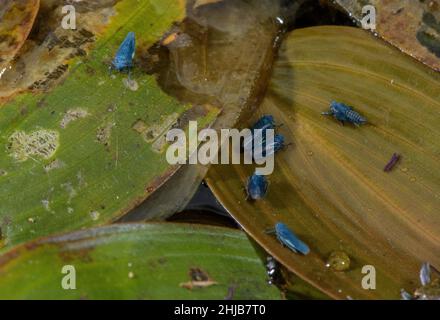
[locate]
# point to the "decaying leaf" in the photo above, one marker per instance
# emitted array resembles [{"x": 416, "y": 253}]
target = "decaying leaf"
[
  {"x": 16, "y": 21},
  {"x": 411, "y": 26}
]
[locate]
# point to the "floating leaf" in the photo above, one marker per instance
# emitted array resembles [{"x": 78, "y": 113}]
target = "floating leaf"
[
  {"x": 329, "y": 185},
  {"x": 411, "y": 26},
  {"x": 90, "y": 149},
  {"x": 138, "y": 261},
  {"x": 16, "y": 21}
]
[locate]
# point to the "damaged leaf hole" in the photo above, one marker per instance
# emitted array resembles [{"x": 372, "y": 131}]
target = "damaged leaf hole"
[
  {"x": 53, "y": 165},
  {"x": 40, "y": 143},
  {"x": 156, "y": 133},
  {"x": 72, "y": 115},
  {"x": 103, "y": 134},
  {"x": 199, "y": 279}
]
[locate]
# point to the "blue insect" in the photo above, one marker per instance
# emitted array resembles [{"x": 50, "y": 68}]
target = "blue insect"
[
  {"x": 288, "y": 238},
  {"x": 256, "y": 186},
  {"x": 271, "y": 148},
  {"x": 344, "y": 113},
  {"x": 430, "y": 289},
  {"x": 258, "y": 132},
  {"x": 124, "y": 57},
  {"x": 265, "y": 122}
]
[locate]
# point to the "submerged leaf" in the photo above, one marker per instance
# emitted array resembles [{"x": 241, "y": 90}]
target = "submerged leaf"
[
  {"x": 137, "y": 261},
  {"x": 329, "y": 184}
]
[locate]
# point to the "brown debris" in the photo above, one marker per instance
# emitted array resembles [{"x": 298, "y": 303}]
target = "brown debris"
[{"x": 199, "y": 279}]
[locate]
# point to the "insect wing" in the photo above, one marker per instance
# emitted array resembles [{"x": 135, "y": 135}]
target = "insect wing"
[
  {"x": 425, "y": 274},
  {"x": 257, "y": 186},
  {"x": 265, "y": 122},
  {"x": 290, "y": 240},
  {"x": 125, "y": 54},
  {"x": 405, "y": 295}
]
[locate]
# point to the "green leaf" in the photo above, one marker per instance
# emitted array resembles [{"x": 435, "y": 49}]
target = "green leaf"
[
  {"x": 91, "y": 149},
  {"x": 137, "y": 261},
  {"x": 329, "y": 185}
]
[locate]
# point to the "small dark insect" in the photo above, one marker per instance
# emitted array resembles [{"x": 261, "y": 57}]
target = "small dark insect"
[
  {"x": 124, "y": 56},
  {"x": 344, "y": 113},
  {"x": 271, "y": 269},
  {"x": 256, "y": 186},
  {"x": 430, "y": 289},
  {"x": 392, "y": 163},
  {"x": 271, "y": 148},
  {"x": 197, "y": 274},
  {"x": 258, "y": 131},
  {"x": 288, "y": 238}
]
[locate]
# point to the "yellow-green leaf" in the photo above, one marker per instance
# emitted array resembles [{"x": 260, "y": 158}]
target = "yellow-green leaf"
[
  {"x": 90, "y": 149},
  {"x": 329, "y": 185},
  {"x": 137, "y": 261}
]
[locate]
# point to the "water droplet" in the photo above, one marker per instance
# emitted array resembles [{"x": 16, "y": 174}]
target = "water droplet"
[
  {"x": 131, "y": 275},
  {"x": 413, "y": 179},
  {"x": 338, "y": 261},
  {"x": 130, "y": 84},
  {"x": 404, "y": 169},
  {"x": 94, "y": 215}
]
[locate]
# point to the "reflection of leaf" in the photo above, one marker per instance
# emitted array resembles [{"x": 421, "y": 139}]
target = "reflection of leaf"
[
  {"x": 16, "y": 20},
  {"x": 223, "y": 55},
  {"x": 329, "y": 185},
  {"x": 137, "y": 261},
  {"x": 90, "y": 149}
]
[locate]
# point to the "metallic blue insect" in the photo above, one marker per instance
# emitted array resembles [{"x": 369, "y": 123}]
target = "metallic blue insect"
[
  {"x": 344, "y": 113},
  {"x": 430, "y": 289},
  {"x": 256, "y": 186},
  {"x": 124, "y": 57},
  {"x": 288, "y": 238},
  {"x": 265, "y": 122},
  {"x": 271, "y": 148},
  {"x": 258, "y": 132}
]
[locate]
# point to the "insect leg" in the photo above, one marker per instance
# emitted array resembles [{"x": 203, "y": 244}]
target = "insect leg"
[{"x": 270, "y": 231}]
